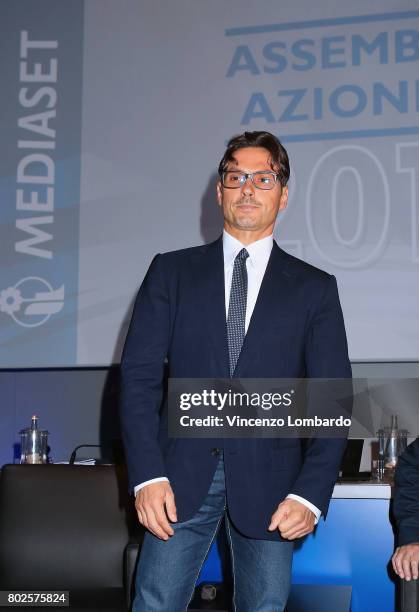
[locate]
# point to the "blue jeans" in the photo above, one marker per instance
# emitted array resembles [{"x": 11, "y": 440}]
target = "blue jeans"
[{"x": 168, "y": 570}]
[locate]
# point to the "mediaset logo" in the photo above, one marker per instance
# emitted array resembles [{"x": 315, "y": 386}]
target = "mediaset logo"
[{"x": 31, "y": 301}]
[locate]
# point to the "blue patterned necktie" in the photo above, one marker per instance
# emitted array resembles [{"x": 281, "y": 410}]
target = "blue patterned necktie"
[{"x": 237, "y": 309}]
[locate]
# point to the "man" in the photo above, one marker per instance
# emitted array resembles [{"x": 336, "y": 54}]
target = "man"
[
  {"x": 240, "y": 307},
  {"x": 406, "y": 511}
]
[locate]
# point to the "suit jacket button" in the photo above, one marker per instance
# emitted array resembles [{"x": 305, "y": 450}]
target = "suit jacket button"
[{"x": 215, "y": 451}]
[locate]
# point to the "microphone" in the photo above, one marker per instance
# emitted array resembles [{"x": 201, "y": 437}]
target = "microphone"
[{"x": 74, "y": 453}]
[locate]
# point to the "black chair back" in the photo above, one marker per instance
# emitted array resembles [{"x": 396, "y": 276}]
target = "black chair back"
[{"x": 64, "y": 527}]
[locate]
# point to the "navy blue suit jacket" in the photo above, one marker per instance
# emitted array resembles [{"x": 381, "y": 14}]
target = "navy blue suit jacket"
[
  {"x": 296, "y": 330},
  {"x": 406, "y": 495}
]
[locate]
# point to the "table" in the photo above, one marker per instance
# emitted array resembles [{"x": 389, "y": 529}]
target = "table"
[{"x": 352, "y": 548}]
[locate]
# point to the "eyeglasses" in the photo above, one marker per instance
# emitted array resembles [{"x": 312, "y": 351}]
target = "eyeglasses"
[{"x": 233, "y": 179}]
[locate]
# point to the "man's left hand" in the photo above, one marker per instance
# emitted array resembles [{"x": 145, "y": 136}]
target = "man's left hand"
[
  {"x": 406, "y": 560},
  {"x": 293, "y": 519}
]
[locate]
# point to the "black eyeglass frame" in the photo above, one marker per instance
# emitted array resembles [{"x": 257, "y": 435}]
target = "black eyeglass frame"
[{"x": 247, "y": 175}]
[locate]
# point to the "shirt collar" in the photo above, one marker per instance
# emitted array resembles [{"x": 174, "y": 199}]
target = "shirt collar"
[{"x": 259, "y": 251}]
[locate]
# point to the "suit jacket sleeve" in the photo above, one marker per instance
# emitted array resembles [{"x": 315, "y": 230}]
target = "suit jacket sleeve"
[
  {"x": 142, "y": 373},
  {"x": 406, "y": 497},
  {"x": 326, "y": 356}
]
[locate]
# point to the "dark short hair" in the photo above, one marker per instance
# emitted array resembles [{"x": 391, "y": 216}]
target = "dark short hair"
[{"x": 278, "y": 160}]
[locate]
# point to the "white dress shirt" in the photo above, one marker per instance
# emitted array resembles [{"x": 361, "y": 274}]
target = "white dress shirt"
[{"x": 259, "y": 253}]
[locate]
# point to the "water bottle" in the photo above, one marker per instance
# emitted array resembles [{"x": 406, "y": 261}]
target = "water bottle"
[
  {"x": 33, "y": 443},
  {"x": 391, "y": 451}
]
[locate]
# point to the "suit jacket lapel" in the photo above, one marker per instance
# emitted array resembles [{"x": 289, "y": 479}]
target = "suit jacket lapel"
[
  {"x": 269, "y": 305},
  {"x": 209, "y": 283},
  {"x": 212, "y": 285}
]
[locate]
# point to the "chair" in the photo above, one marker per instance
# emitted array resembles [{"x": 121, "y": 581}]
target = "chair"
[{"x": 67, "y": 527}]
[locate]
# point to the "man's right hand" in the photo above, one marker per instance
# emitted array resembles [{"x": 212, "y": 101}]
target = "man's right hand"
[
  {"x": 154, "y": 503},
  {"x": 406, "y": 561}
]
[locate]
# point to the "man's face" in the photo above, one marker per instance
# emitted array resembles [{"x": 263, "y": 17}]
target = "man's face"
[{"x": 250, "y": 213}]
